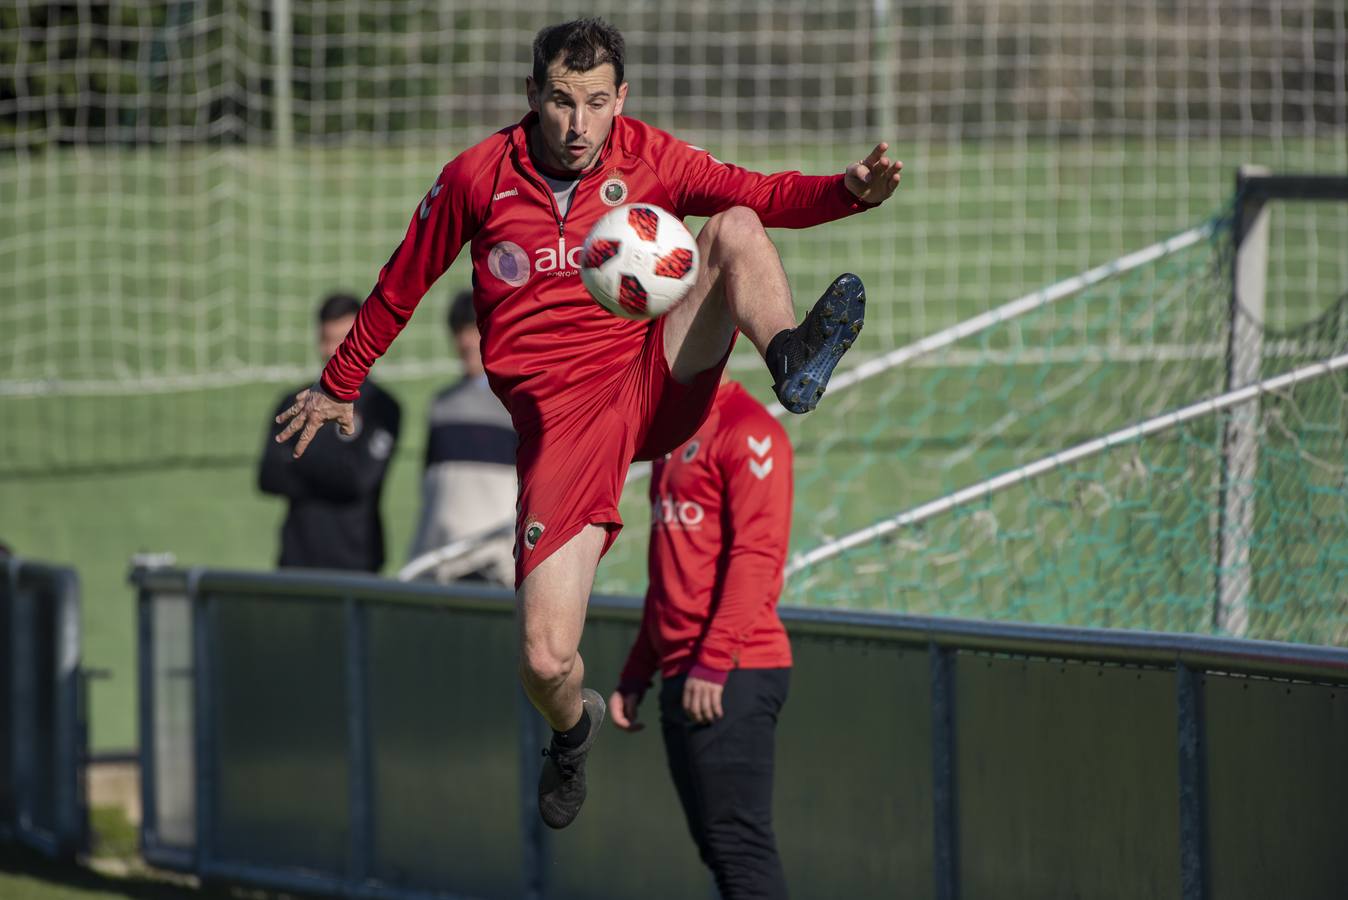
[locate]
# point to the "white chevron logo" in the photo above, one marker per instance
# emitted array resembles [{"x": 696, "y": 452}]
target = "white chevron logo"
[
  {"x": 760, "y": 470},
  {"x": 760, "y": 448},
  {"x": 426, "y": 203}
]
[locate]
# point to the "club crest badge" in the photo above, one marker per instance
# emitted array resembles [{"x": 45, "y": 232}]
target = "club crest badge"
[
  {"x": 690, "y": 451},
  {"x": 533, "y": 532},
  {"x": 613, "y": 191}
]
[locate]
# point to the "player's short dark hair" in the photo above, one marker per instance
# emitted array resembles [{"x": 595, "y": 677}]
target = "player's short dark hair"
[
  {"x": 338, "y": 306},
  {"x": 583, "y": 44},
  {"x": 462, "y": 316}
]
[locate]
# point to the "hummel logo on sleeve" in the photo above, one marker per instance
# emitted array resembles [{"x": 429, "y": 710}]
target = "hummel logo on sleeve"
[
  {"x": 706, "y": 151},
  {"x": 761, "y": 448},
  {"x": 513, "y": 192},
  {"x": 426, "y": 203}
]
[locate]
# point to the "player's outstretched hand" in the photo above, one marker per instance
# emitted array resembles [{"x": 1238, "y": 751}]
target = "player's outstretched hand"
[
  {"x": 311, "y": 409},
  {"x": 875, "y": 178},
  {"x": 702, "y": 700},
  {"x": 622, "y": 709}
]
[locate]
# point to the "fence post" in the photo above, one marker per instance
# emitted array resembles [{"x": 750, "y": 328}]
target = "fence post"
[
  {"x": 22, "y": 641},
  {"x": 882, "y": 71},
  {"x": 283, "y": 126},
  {"x": 533, "y": 839},
  {"x": 69, "y": 751},
  {"x": 8, "y": 727},
  {"x": 358, "y": 742},
  {"x": 1193, "y": 800},
  {"x": 945, "y": 818},
  {"x": 149, "y": 751},
  {"x": 1240, "y": 438},
  {"x": 203, "y": 721}
]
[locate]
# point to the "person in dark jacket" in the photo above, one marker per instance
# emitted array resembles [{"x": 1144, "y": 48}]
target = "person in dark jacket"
[{"x": 333, "y": 521}]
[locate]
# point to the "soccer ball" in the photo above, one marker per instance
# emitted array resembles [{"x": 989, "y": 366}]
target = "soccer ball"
[{"x": 638, "y": 261}]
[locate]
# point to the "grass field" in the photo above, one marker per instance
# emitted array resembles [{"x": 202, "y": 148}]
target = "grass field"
[
  {"x": 202, "y": 266},
  {"x": 26, "y": 876}
]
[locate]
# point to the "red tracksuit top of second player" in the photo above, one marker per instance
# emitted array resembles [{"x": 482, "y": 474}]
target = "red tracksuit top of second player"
[
  {"x": 720, "y": 523},
  {"x": 543, "y": 337}
]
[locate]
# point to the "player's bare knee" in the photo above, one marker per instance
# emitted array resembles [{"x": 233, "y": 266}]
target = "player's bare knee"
[
  {"x": 735, "y": 228},
  {"x": 739, "y": 220},
  {"x": 546, "y": 666}
]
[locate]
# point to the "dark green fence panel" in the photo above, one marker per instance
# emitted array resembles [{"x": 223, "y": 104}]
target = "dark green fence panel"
[
  {"x": 364, "y": 737},
  {"x": 865, "y": 770},
  {"x": 444, "y": 708},
  {"x": 279, "y": 716},
  {"x": 42, "y": 727},
  {"x": 1277, "y": 787},
  {"x": 1067, "y": 779}
]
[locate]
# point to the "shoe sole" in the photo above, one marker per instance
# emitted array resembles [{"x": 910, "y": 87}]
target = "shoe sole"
[
  {"x": 842, "y": 309},
  {"x": 595, "y": 706}
]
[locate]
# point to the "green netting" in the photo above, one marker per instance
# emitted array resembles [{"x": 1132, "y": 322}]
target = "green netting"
[
  {"x": 180, "y": 184},
  {"x": 1127, "y": 538},
  {"x": 1126, "y": 349},
  {"x": 1130, "y": 538}
]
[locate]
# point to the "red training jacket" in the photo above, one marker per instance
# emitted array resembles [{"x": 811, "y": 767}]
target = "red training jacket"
[
  {"x": 542, "y": 334},
  {"x": 720, "y": 524}
]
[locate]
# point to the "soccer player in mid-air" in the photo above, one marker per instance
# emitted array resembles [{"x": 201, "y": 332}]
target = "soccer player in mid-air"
[{"x": 589, "y": 392}]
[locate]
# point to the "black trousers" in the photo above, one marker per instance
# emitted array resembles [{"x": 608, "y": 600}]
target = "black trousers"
[{"x": 723, "y": 774}]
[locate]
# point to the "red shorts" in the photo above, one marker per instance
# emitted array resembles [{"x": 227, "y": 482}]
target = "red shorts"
[{"x": 573, "y": 464}]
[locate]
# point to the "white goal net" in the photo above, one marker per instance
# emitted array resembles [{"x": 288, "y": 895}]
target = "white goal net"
[{"x": 181, "y": 182}]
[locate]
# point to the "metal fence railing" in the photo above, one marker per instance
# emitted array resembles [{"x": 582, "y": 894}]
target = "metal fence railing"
[
  {"x": 366, "y": 737},
  {"x": 43, "y": 736}
]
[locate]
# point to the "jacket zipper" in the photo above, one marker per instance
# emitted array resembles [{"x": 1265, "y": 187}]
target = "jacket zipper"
[{"x": 552, "y": 198}]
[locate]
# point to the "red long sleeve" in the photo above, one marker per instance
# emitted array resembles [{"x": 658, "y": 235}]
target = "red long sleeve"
[
  {"x": 702, "y": 185},
  {"x": 754, "y": 459},
  {"x": 442, "y": 224}
]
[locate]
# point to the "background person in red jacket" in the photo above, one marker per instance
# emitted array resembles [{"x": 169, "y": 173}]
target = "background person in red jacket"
[
  {"x": 720, "y": 525},
  {"x": 589, "y": 392}
]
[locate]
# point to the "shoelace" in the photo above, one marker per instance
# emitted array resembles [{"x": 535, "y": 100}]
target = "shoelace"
[{"x": 568, "y": 767}]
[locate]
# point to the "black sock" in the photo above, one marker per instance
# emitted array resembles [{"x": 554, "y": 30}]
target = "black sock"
[
  {"x": 776, "y": 357},
  {"x": 574, "y": 736}
]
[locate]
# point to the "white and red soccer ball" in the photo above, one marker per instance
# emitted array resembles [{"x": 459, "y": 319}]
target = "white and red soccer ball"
[{"x": 638, "y": 261}]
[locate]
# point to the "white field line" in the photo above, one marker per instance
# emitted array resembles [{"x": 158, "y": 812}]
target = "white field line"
[{"x": 866, "y": 370}]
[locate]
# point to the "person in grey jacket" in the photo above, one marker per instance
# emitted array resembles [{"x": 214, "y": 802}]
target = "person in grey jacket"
[{"x": 468, "y": 487}]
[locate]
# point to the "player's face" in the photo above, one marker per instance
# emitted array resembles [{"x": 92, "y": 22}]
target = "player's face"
[
  {"x": 330, "y": 334},
  {"x": 575, "y": 113},
  {"x": 468, "y": 343}
]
